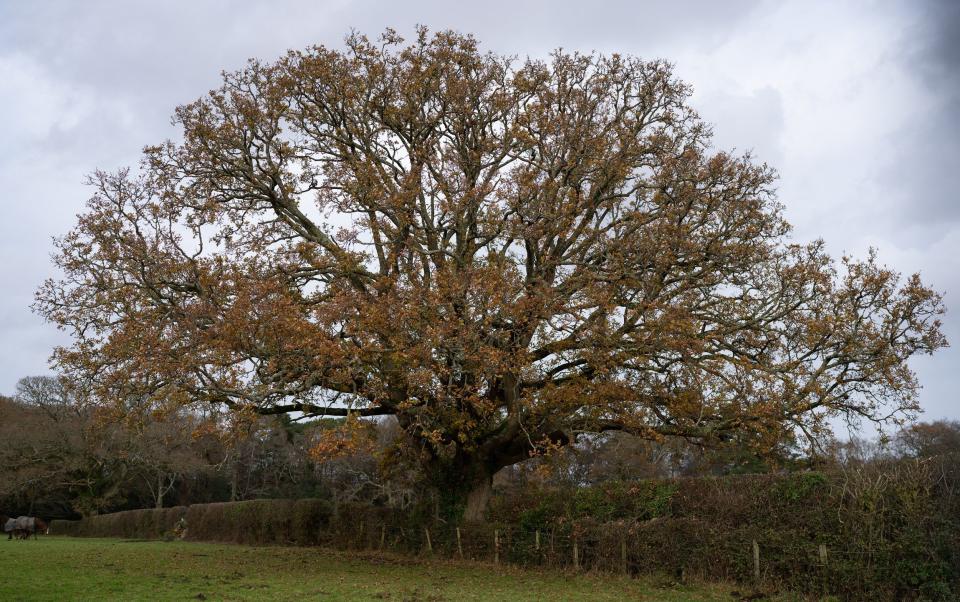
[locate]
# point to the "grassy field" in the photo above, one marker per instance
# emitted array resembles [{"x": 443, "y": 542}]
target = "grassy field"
[{"x": 59, "y": 568}]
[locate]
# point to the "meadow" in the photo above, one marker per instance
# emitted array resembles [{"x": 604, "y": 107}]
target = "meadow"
[{"x": 64, "y": 568}]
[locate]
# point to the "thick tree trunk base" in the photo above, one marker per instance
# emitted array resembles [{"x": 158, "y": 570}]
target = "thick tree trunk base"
[
  {"x": 478, "y": 498},
  {"x": 461, "y": 496}
]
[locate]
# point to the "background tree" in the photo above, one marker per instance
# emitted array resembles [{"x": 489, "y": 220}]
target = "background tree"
[
  {"x": 61, "y": 458},
  {"x": 503, "y": 255},
  {"x": 161, "y": 453},
  {"x": 267, "y": 456},
  {"x": 52, "y": 463},
  {"x": 36, "y": 463},
  {"x": 928, "y": 439}
]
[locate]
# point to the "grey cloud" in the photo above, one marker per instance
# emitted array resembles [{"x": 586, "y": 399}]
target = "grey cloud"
[
  {"x": 746, "y": 122},
  {"x": 923, "y": 169},
  {"x": 539, "y": 26},
  {"x": 938, "y": 41},
  {"x": 928, "y": 149}
]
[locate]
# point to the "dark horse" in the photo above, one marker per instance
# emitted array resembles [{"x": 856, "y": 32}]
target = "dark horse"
[{"x": 23, "y": 526}]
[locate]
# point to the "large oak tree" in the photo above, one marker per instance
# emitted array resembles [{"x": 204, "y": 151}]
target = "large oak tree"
[{"x": 502, "y": 254}]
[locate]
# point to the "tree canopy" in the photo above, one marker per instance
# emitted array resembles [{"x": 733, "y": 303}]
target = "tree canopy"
[{"x": 504, "y": 254}]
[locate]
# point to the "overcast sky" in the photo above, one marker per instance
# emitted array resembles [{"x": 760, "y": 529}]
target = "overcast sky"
[{"x": 857, "y": 105}]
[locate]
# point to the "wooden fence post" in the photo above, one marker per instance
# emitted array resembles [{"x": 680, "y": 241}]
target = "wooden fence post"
[
  {"x": 459, "y": 545},
  {"x": 429, "y": 543},
  {"x": 756, "y": 560},
  {"x": 576, "y": 555},
  {"x": 822, "y": 550},
  {"x": 496, "y": 546},
  {"x": 538, "y": 540},
  {"x": 383, "y": 535}
]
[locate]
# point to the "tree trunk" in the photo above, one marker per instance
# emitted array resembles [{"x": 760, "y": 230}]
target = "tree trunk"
[
  {"x": 464, "y": 483},
  {"x": 160, "y": 490},
  {"x": 463, "y": 491},
  {"x": 478, "y": 498},
  {"x": 234, "y": 478}
]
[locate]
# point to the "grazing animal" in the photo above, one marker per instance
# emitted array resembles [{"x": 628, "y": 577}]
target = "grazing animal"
[
  {"x": 23, "y": 526},
  {"x": 40, "y": 526}
]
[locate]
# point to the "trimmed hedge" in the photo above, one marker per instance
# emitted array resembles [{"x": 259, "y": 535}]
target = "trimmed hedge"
[
  {"x": 149, "y": 523},
  {"x": 891, "y": 532},
  {"x": 286, "y": 522}
]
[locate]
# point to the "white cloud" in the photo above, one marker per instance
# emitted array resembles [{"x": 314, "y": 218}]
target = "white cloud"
[{"x": 33, "y": 104}]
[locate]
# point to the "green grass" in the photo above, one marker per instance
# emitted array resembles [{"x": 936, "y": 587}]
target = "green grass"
[{"x": 59, "y": 568}]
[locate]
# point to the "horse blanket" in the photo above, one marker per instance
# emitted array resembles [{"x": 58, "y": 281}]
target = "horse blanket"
[{"x": 21, "y": 523}]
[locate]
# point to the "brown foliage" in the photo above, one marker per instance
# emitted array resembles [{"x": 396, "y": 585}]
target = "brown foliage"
[
  {"x": 501, "y": 254},
  {"x": 928, "y": 439}
]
